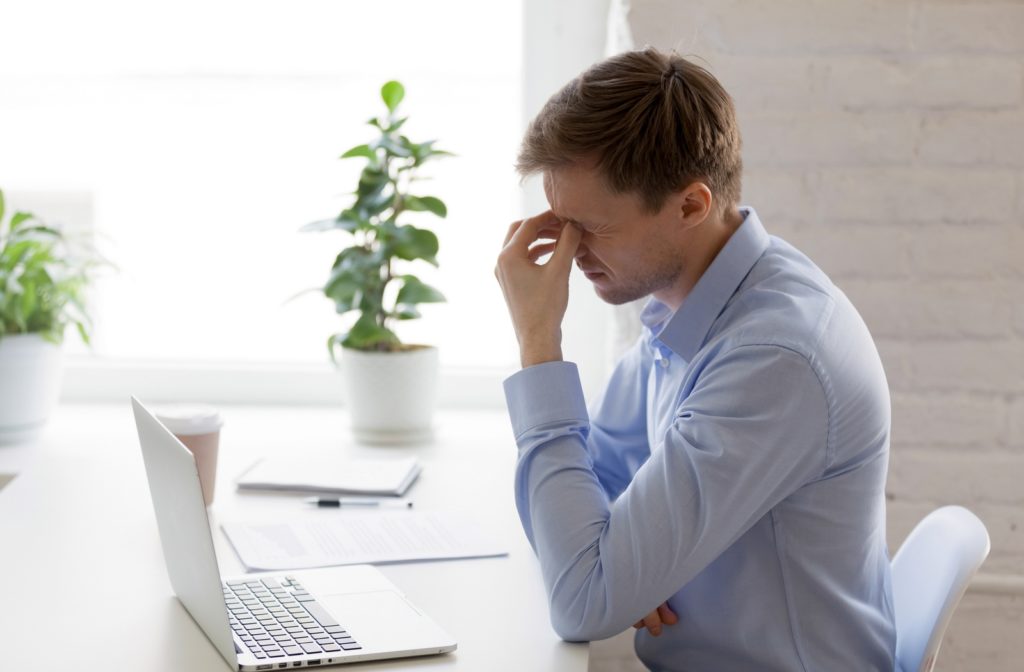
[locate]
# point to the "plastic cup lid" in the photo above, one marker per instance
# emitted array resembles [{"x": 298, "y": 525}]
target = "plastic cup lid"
[{"x": 189, "y": 419}]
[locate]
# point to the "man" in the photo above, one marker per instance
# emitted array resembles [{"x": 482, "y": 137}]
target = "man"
[{"x": 725, "y": 495}]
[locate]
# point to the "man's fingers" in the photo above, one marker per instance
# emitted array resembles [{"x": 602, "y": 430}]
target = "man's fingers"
[
  {"x": 565, "y": 248},
  {"x": 528, "y": 230},
  {"x": 653, "y": 623},
  {"x": 513, "y": 227},
  {"x": 668, "y": 617},
  {"x": 538, "y": 251}
]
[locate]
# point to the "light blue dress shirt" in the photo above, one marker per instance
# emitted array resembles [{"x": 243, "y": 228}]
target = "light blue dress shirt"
[{"x": 735, "y": 466}]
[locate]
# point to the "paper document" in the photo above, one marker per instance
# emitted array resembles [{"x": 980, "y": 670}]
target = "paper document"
[
  {"x": 353, "y": 538},
  {"x": 332, "y": 475}
]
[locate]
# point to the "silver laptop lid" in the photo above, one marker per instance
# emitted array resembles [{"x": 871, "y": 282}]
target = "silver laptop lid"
[{"x": 184, "y": 529}]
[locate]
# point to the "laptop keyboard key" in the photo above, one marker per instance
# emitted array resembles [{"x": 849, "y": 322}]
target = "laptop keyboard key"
[
  {"x": 330, "y": 648},
  {"x": 320, "y": 614},
  {"x": 293, "y": 650},
  {"x": 351, "y": 647},
  {"x": 310, "y": 648}
]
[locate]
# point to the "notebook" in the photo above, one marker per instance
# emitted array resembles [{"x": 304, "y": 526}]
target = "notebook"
[{"x": 332, "y": 475}]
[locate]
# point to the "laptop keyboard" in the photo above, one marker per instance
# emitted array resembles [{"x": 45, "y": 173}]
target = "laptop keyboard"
[{"x": 276, "y": 618}]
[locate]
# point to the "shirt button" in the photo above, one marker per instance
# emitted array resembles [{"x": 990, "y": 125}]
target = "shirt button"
[{"x": 663, "y": 362}]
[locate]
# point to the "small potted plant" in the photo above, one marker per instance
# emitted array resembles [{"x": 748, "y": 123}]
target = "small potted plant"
[
  {"x": 390, "y": 386},
  {"x": 42, "y": 281}
]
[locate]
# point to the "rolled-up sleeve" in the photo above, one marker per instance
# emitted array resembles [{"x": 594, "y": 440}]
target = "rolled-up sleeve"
[{"x": 753, "y": 429}]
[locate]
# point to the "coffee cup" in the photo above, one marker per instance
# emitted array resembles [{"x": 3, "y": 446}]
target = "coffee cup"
[{"x": 198, "y": 427}]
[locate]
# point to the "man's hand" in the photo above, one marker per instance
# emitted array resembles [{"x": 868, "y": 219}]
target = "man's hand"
[
  {"x": 654, "y": 620},
  {"x": 537, "y": 294}
]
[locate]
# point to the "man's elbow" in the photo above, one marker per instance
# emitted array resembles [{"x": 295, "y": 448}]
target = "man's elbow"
[{"x": 581, "y": 626}]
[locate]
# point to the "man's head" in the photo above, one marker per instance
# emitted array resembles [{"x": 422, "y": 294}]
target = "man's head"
[
  {"x": 637, "y": 152},
  {"x": 651, "y": 122}
]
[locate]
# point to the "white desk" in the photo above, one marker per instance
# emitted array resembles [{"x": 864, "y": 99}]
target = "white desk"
[{"x": 83, "y": 574}]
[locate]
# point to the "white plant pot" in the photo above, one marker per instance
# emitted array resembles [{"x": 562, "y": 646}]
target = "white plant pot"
[
  {"x": 30, "y": 377},
  {"x": 391, "y": 395}
]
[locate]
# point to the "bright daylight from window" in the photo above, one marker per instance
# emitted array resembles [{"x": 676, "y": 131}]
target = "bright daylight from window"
[{"x": 202, "y": 136}]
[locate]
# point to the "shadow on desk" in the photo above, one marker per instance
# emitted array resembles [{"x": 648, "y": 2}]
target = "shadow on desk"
[{"x": 615, "y": 654}]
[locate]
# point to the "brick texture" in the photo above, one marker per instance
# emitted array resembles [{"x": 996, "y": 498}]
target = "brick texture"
[{"x": 885, "y": 138}]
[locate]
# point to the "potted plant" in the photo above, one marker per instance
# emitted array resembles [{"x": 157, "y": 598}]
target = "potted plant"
[
  {"x": 390, "y": 386},
  {"x": 42, "y": 281}
]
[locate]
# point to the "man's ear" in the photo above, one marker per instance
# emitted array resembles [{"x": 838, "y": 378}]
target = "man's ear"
[{"x": 695, "y": 204}]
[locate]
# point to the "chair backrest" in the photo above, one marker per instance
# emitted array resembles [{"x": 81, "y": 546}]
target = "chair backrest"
[{"x": 930, "y": 573}]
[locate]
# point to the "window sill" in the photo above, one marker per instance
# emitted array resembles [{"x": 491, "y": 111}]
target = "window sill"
[{"x": 93, "y": 379}]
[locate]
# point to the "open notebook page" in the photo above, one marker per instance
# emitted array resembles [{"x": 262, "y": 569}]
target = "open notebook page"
[{"x": 348, "y": 537}]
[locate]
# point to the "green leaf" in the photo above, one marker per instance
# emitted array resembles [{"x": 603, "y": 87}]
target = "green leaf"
[
  {"x": 355, "y": 281},
  {"x": 3, "y": 207},
  {"x": 308, "y": 290},
  {"x": 411, "y": 243},
  {"x": 19, "y": 218},
  {"x": 346, "y": 298},
  {"x": 332, "y": 342},
  {"x": 374, "y": 204},
  {"x": 82, "y": 332},
  {"x": 394, "y": 148},
  {"x": 429, "y": 203},
  {"x": 425, "y": 150},
  {"x": 397, "y": 124},
  {"x": 371, "y": 181},
  {"x": 28, "y": 303},
  {"x": 320, "y": 225},
  {"x": 346, "y": 221},
  {"x": 403, "y": 312},
  {"x": 414, "y": 291},
  {"x": 392, "y": 94},
  {"x": 360, "y": 150},
  {"x": 41, "y": 228},
  {"x": 366, "y": 334}
]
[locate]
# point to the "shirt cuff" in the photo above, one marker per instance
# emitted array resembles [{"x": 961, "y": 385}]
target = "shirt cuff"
[{"x": 545, "y": 393}]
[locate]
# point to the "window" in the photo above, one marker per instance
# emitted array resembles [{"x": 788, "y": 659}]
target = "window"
[{"x": 206, "y": 134}]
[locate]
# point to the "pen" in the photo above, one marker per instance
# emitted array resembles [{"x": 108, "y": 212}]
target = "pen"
[{"x": 337, "y": 502}]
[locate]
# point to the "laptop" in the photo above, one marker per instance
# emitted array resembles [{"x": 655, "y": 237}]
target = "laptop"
[{"x": 272, "y": 621}]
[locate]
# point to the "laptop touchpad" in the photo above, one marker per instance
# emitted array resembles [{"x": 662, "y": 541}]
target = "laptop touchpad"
[{"x": 381, "y": 619}]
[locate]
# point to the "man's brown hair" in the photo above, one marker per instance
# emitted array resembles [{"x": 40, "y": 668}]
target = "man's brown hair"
[{"x": 655, "y": 123}]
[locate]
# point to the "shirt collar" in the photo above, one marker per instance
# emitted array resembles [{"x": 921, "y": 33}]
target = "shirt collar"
[{"x": 685, "y": 330}]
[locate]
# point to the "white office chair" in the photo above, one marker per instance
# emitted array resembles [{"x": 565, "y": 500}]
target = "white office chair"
[{"x": 930, "y": 573}]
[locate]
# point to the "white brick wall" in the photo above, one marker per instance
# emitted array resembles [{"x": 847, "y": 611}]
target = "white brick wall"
[{"x": 885, "y": 138}]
